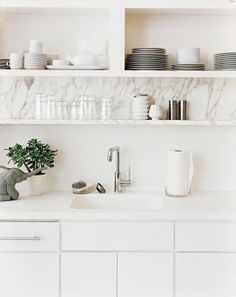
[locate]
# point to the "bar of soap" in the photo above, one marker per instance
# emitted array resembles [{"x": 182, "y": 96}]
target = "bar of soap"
[
  {"x": 79, "y": 185},
  {"x": 85, "y": 190}
]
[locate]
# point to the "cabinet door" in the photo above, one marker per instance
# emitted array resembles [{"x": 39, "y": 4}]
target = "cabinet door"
[
  {"x": 145, "y": 274},
  {"x": 27, "y": 275},
  {"x": 205, "y": 275},
  {"x": 88, "y": 274}
]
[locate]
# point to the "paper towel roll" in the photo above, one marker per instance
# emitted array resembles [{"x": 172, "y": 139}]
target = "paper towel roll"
[{"x": 179, "y": 173}]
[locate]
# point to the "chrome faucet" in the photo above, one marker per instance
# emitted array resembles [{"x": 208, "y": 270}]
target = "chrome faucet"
[{"x": 118, "y": 183}]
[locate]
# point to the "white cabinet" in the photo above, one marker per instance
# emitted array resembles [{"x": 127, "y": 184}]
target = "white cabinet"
[
  {"x": 205, "y": 275},
  {"x": 29, "y": 236},
  {"x": 88, "y": 274},
  {"x": 145, "y": 274},
  {"x": 29, "y": 274},
  {"x": 130, "y": 236},
  {"x": 212, "y": 237},
  {"x": 29, "y": 259}
]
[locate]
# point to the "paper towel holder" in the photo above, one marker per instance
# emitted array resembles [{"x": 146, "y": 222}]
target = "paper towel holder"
[{"x": 186, "y": 190}]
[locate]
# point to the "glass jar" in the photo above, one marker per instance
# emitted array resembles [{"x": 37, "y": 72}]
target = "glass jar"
[
  {"x": 74, "y": 110},
  {"x": 87, "y": 108},
  {"x": 50, "y": 107},
  {"x": 62, "y": 110},
  {"x": 106, "y": 108},
  {"x": 40, "y": 111}
]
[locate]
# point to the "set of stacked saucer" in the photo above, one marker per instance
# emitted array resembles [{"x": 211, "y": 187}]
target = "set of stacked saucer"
[
  {"x": 146, "y": 59},
  {"x": 35, "y": 59},
  {"x": 140, "y": 107},
  {"x": 4, "y": 64},
  {"x": 225, "y": 61},
  {"x": 188, "y": 59}
]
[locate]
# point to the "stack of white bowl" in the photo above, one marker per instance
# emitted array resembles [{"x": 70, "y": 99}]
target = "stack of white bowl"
[
  {"x": 188, "y": 59},
  {"x": 140, "y": 107},
  {"x": 35, "y": 59}
]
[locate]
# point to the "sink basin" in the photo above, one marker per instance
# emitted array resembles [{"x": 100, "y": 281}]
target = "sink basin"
[{"x": 117, "y": 202}]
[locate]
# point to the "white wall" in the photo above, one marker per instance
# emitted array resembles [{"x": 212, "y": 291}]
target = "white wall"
[{"x": 83, "y": 153}]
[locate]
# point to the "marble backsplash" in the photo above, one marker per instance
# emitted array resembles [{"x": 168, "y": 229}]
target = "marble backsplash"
[{"x": 209, "y": 99}]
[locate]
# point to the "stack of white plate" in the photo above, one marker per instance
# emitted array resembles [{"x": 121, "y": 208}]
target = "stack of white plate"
[
  {"x": 185, "y": 67},
  {"x": 35, "y": 61},
  {"x": 146, "y": 59},
  {"x": 140, "y": 107},
  {"x": 225, "y": 61}
]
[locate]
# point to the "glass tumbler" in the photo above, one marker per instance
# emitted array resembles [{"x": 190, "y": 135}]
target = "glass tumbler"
[
  {"x": 50, "y": 107},
  {"x": 62, "y": 110},
  {"x": 74, "y": 110},
  {"x": 87, "y": 108},
  {"x": 40, "y": 111},
  {"x": 106, "y": 108}
]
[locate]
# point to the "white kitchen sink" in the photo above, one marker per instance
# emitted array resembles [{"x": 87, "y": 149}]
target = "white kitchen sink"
[{"x": 117, "y": 202}]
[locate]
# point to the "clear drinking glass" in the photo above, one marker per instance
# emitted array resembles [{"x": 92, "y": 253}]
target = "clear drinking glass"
[
  {"x": 62, "y": 110},
  {"x": 40, "y": 111},
  {"x": 74, "y": 110},
  {"x": 50, "y": 109},
  {"x": 106, "y": 108},
  {"x": 87, "y": 108}
]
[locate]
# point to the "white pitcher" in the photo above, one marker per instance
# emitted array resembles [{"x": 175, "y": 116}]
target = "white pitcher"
[{"x": 179, "y": 173}]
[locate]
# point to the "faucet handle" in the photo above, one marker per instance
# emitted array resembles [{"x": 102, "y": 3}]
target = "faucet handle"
[{"x": 129, "y": 173}]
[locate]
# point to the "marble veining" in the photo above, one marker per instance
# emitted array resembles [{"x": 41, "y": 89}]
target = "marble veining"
[{"x": 209, "y": 98}]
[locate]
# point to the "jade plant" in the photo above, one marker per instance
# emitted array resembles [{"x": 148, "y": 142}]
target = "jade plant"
[{"x": 35, "y": 154}]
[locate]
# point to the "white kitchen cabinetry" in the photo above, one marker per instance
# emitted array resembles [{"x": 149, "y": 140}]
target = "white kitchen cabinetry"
[
  {"x": 205, "y": 275},
  {"x": 29, "y": 274},
  {"x": 88, "y": 274},
  {"x": 29, "y": 259},
  {"x": 212, "y": 237},
  {"x": 205, "y": 259},
  {"x": 145, "y": 274},
  {"x": 132, "y": 236}
]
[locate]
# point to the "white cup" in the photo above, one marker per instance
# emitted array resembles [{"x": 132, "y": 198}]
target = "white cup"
[
  {"x": 188, "y": 55},
  {"x": 58, "y": 62},
  {"x": 156, "y": 112},
  {"x": 35, "y": 47},
  {"x": 16, "y": 61}
]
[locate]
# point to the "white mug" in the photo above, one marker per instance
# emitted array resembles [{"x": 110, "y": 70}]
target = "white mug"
[
  {"x": 35, "y": 47},
  {"x": 16, "y": 61}
]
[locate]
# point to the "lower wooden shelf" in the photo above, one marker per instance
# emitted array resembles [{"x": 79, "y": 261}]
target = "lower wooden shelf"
[{"x": 119, "y": 122}]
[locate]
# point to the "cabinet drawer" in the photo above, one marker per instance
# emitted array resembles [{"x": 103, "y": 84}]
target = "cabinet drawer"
[
  {"x": 206, "y": 237},
  {"x": 117, "y": 236},
  {"x": 20, "y": 236}
]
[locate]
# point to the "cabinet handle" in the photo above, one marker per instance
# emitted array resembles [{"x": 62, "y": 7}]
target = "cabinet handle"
[{"x": 21, "y": 238}]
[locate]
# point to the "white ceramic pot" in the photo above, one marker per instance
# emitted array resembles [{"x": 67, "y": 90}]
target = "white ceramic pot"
[{"x": 37, "y": 184}]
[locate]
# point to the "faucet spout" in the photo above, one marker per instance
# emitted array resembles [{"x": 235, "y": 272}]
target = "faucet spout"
[
  {"x": 118, "y": 182},
  {"x": 110, "y": 152}
]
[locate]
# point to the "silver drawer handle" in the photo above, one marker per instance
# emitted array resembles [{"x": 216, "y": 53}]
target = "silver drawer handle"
[{"x": 21, "y": 238}]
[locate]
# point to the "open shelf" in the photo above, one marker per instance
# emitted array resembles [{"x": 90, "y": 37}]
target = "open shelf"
[
  {"x": 173, "y": 29},
  {"x": 55, "y": 73},
  {"x": 117, "y": 122},
  {"x": 171, "y": 74},
  {"x": 109, "y": 73}
]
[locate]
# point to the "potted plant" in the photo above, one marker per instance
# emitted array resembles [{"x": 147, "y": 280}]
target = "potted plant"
[{"x": 35, "y": 154}]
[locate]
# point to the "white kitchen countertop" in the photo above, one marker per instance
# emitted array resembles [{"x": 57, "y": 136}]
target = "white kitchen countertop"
[{"x": 56, "y": 206}]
